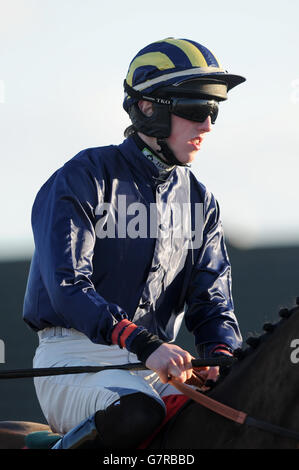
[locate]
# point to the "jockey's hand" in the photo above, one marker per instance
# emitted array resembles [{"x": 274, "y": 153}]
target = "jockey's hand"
[
  {"x": 210, "y": 373},
  {"x": 201, "y": 374},
  {"x": 169, "y": 360}
]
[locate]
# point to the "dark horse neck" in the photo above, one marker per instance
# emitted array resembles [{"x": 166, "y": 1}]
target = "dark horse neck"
[{"x": 264, "y": 384}]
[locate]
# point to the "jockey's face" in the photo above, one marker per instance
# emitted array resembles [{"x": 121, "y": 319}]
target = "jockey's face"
[{"x": 186, "y": 137}]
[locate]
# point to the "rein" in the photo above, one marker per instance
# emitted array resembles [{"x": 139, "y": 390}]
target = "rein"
[
  {"x": 194, "y": 394},
  {"x": 232, "y": 414},
  {"x": 48, "y": 371}
]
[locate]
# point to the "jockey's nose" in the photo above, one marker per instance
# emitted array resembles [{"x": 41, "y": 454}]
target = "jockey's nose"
[{"x": 205, "y": 126}]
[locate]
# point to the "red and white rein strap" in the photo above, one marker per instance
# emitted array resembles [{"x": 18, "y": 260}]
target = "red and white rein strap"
[{"x": 230, "y": 413}]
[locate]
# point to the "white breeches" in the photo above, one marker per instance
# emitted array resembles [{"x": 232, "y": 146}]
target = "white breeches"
[{"x": 66, "y": 400}]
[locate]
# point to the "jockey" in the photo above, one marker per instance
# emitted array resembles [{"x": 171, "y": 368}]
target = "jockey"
[{"x": 109, "y": 287}]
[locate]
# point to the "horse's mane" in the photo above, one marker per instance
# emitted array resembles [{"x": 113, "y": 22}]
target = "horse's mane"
[{"x": 255, "y": 341}]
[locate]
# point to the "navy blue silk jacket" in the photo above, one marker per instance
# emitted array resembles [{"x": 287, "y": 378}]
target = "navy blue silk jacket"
[{"x": 79, "y": 278}]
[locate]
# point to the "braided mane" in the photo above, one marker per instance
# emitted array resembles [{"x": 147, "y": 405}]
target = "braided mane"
[{"x": 255, "y": 341}]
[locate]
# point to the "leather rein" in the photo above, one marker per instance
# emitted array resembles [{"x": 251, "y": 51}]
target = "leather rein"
[{"x": 231, "y": 413}]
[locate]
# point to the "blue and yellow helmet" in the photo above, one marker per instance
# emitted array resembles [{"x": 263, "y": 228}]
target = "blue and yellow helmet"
[{"x": 170, "y": 62}]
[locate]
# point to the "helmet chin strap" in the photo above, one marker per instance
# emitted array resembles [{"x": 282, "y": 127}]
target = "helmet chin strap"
[{"x": 168, "y": 153}]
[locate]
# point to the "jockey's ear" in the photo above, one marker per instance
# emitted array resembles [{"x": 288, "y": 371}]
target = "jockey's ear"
[{"x": 146, "y": 107}]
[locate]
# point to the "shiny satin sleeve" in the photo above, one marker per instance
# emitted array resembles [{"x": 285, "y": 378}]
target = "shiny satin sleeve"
[
  {"x": 63, "y": 221},
  {"x": 210, "y": 309}
]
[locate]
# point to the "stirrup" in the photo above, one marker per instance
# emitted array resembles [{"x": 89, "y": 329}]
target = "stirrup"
[{"x": 83, "y": 436}]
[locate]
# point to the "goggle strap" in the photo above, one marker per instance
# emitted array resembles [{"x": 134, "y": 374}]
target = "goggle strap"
[{"x": 140, "y": 96}]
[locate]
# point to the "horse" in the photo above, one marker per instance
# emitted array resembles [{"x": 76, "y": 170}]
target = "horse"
[{"x": 263, "y": 383}]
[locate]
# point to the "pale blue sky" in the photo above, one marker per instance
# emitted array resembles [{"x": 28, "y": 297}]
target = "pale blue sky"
[{"x": 62, "y": 65}]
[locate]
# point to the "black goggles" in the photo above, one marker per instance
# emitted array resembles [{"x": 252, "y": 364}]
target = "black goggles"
[{"x": 194, "y": 109}]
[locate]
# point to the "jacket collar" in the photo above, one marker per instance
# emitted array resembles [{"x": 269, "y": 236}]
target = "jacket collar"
[{"x": 131, "y": 151}]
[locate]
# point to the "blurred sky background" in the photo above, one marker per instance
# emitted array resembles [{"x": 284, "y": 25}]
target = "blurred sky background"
[{"x": 62, "y": 65}]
